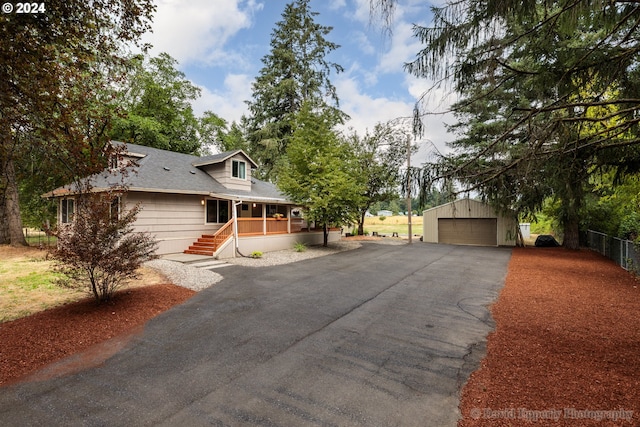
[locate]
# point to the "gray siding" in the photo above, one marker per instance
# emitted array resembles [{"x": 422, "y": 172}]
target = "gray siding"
[
  {"x": 176, "y": 220},
  {"x": 221, "y": 172}
]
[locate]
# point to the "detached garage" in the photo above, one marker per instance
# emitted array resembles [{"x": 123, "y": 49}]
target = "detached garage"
[{"x": 468, "y": 222}]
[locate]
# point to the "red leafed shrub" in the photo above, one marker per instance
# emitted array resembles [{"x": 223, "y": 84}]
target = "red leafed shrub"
[{"x": 99, "y": 248}]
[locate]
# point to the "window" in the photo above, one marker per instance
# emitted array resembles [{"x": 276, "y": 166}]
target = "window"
[
  {"x": 217, "y": 211},
  {"x": 67, "y": 207},
  {"x": 114, "y": 209},
  {"x": 273, "y": 210},
  {"x": 238, "y": 169}
]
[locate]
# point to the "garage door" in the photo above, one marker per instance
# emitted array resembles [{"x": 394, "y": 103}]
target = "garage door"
[{"x": 468, "y": 231}]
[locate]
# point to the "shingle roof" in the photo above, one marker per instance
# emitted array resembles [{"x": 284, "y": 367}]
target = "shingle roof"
[
  {"x": 170, "y": 172},
  {"x": 221, "y": 157}
]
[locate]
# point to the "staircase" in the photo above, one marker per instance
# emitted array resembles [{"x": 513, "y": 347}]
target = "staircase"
[
  {"x": 208, "y": 244},
  {"x": 205, "y": 245}
]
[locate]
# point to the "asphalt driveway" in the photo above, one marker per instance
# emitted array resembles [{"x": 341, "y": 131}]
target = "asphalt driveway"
[{"x": 379, "y": 336}]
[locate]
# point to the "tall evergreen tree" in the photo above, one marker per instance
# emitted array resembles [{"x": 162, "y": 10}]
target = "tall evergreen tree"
[
  {"x": 295, "y": 71},
  {"x": 549, "y": 95}
]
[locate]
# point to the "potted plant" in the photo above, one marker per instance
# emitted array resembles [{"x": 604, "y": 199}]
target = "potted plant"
[{"x": 277, "y": 216}]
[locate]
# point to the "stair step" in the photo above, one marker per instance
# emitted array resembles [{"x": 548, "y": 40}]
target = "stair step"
[
  {"x": 202, "y": 249},
  {"x": 206, "y": 240},
  {"x": 199, "y": 252},
  {"x": 205, "y": 245}
]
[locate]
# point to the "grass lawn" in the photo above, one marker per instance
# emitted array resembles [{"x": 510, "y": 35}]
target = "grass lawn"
[
  {"x": 28, "y": 284},
  {"x": 391, "y": 224}
]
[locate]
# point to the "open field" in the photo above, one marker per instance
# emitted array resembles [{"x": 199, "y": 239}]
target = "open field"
[
  {"x": 391, "y": 224},
  {"x": 28, "y": 283}
]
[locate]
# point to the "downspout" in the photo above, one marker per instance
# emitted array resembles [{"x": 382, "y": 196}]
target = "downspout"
[{"x": 235, "y": 228}]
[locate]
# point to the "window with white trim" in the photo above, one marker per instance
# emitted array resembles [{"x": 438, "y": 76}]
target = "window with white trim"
[
  {"x": 239, "y": 169},
  {"x": 217, "y": 211},
  {"x": 67, "y": 209}
]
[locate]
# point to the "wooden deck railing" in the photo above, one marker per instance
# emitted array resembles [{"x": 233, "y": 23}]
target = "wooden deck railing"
[
  {"x": 223, "y": 233},
  {"x": 250, "y": 226},
  {"x": 261, "y": 226}
]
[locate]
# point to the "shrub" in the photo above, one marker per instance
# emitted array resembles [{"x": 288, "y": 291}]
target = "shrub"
[
  {"x": 382, "y": 217},
  {"x": 630, "y": 226},
  {"x": 99, "y": 249},
  {"x": 256, "y": 254},
  {"x": 299, "y": 247}
]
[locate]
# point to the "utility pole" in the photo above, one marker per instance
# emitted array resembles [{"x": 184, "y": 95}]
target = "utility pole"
[{"x": 409, "y": 185}]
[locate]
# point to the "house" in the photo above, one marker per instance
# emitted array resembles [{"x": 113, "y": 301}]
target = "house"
[
  {"x": 468, "y": 222},
  {"x": 385, "y": 212},
  {"x": 202, "y": 205}
]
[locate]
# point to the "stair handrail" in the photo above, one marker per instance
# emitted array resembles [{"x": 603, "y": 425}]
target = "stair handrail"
[{"x": 218, "y": 239}]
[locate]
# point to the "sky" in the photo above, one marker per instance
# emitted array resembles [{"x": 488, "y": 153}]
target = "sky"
[{"x": 220, "y": 44}]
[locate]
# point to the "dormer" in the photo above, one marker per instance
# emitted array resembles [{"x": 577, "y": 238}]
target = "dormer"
[
  {"x": 123, "y": 159},
  {"x": 232, "y": 169}
]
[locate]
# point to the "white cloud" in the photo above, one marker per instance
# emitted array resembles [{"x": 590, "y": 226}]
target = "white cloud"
[
  {"x": 229, "y": 102},
  {"x": 364, "y": 45},
  {"x": 403, "y": 49},
  {"x": 361, "y": 11},
  {"x": 366, "y": 111},
  {"x": 197, "y": 30},
  {"x": 337, "y": 4}
]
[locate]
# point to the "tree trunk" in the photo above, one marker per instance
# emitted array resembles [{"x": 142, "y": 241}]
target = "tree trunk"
[
  {"x": 12, "y": 206},
  {"x": 571, "y": 234},
  {"x": 325, "y": 230},
  {"x": 4, "y": 224},
  {"x": 361, "y": 223}
]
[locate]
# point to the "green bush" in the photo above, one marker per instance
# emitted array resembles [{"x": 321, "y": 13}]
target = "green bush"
[
  {"x": 299, "y": 247},
  {"x": 630, "y": 226},
  {"x": 256, "y": 254}
]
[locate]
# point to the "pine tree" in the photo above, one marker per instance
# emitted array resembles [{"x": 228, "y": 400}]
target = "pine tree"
[{"x": 295, "y": 71}]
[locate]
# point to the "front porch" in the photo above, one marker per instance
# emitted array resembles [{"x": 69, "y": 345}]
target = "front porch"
[{"x": 209, "y": 244}]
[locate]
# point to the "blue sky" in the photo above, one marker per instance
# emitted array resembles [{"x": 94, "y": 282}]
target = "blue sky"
[{"x": 220, "y": 43}]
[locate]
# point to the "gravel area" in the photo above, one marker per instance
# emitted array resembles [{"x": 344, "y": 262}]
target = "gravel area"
[
  {"x": 185, "y": 275},
  {"x": 289, "y": 255},
  {"x": 196, "y": 279}
]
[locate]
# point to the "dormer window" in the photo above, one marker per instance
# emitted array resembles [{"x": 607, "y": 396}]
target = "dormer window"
[{"x": 239, "y": 169}]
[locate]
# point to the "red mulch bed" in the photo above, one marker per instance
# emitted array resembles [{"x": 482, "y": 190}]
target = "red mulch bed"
[
  {"x": 566, "y": 348},
  {"x": 30, "y": 343}
]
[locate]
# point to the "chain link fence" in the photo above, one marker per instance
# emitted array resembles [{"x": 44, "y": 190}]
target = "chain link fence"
[{"x": 621, "y": 251}]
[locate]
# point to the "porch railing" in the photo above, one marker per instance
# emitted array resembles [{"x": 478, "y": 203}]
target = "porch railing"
[
  {"x": 223, "y": 233},
  {"x": 257, "y": 226}
]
